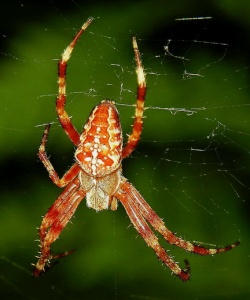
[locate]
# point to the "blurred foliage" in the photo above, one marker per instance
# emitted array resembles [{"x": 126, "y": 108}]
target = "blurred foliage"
[{"x": 191, "y": 165}]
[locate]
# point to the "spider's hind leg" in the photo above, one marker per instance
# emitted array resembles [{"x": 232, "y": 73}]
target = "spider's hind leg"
[{"x": 134, "y": 137}]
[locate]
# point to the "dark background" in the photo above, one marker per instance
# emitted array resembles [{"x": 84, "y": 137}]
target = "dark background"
[{"x": 191, "y": 166}]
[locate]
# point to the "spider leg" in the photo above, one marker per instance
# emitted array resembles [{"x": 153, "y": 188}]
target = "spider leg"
[
  {"x": 159, "y": 225},
  {"x": 134, "y": 137},
  {"x": 61, "y": 98},
  {"x": 147, "y": 234},
  {"x": 68, "y": 176},
  {"x": 54, "y": 222},
  {"x": 58, "y": 208}
]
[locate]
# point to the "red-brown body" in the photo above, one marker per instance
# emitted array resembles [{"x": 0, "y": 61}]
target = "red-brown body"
[{"x": 97, "y": 174}]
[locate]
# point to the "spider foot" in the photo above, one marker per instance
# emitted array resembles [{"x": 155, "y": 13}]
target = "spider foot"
[
  {"x": 44, "y": 263},
  {"x": 188, "y": 268},
  {"x": 66, "y": 253},
  {"x": 184, "y": 275}
]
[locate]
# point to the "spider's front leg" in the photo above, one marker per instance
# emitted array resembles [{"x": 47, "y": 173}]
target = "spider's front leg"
[
  {"x": 54, "y": 222},
  {"x": 140, "y": 213},
  {"x": 157, "y": 223},
  {"x": 61, "y": 211},
  {"x": 147, "y": 234}
]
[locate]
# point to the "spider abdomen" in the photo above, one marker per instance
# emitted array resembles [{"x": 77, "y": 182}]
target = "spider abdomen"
[{"x": 100, "y": 148}]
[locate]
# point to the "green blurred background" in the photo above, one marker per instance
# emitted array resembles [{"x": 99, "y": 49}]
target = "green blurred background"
[{"x": 192, "y": 166}]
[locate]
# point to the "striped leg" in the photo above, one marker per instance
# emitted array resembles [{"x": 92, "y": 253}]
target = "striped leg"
[
  {"x": 54, "y": 222},
  {"x": 61, "y": 98},
  {"x": 140, "y": 213},
  {"x": 68, "y": 176},
  {"x": 134, "y": 137},
  {"x": 159, "y": 225},
  {"x": 147, "y": 234}
]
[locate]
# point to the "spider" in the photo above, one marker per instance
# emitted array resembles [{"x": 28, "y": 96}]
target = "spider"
[{"x": 97, "y": 173}]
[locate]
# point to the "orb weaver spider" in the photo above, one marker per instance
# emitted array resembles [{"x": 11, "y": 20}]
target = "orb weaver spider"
[{"x": 97, "y": 173}]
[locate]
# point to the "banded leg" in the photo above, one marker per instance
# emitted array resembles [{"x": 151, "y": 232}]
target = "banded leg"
[
  {"x": 147, "y": 234},
  {"x": 140, "y": 212},
  {"x": 54, "y": 222},
  {"x": 68, "y": 176},
  {"x": 58, "y": 208},
  {"x": 159, "y": 225},
  {"x": 134, "y": 137},
  {"x": 61, "y": 98}
]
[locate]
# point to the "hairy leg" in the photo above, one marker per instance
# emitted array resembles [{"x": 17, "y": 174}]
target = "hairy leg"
[{"x": 54, "y": 222}]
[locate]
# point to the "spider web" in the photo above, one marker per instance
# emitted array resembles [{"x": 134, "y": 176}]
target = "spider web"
[{"x": 191, "y": 165}]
